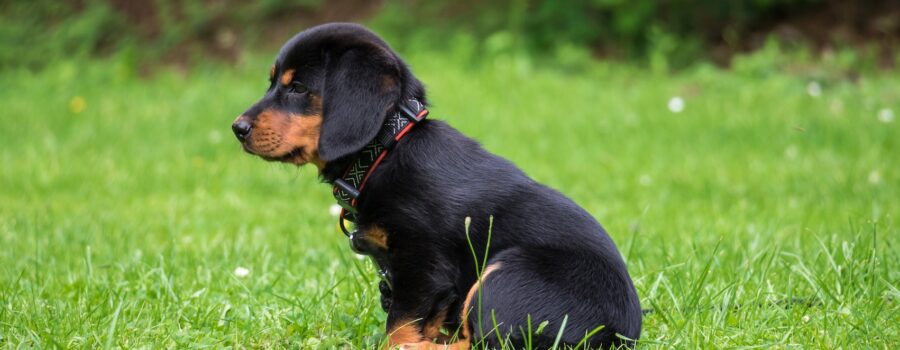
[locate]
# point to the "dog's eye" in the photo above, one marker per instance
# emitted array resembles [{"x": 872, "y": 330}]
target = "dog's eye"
[{"x": 298, "y": 87}]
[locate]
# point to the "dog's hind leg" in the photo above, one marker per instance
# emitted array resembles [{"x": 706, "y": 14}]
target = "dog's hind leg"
[
  {"x": 466, "y": 335},
  {"x": 524, "y": 287}
]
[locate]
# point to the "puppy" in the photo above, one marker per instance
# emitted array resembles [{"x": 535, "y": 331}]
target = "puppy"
[{"x": 474, "y": 252}]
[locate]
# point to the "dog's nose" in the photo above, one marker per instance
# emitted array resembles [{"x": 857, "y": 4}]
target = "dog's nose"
[{"x": 241, "y": 127}]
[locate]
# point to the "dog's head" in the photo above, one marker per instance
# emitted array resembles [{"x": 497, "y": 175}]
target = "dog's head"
[{"x": 330, "y": 89}]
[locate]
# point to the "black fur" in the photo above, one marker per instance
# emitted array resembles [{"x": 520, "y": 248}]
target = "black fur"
[{"x": 555, "y": 259}]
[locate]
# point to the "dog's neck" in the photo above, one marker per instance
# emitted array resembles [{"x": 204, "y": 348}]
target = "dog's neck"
[
  {"x": 349, "y": 175},
  {"x": 332, "y": 170}
]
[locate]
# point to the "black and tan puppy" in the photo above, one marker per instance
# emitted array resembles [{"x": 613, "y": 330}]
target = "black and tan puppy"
[{"x": 332, "y": 87}]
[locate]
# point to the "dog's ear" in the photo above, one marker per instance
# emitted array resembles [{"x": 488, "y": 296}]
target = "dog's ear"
[{"x": 361, "y": 87}]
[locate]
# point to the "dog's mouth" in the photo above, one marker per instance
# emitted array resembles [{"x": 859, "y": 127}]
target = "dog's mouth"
[{"x": 295, "y": 156}]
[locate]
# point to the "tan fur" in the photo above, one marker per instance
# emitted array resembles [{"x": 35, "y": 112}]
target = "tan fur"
[
  {"x": 405, "y": 333},
  {"x": 432, "y": 329},
  {"x": 426, "y": 345},
  {"x": 376, "y": 236},
  {"x": 287, "y": 77},
  {"x": 275, "y": 134},
  {"x": 419, "y": 343}
]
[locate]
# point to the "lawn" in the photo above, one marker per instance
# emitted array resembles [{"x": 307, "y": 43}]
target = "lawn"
[{"x": 764, "y": 213}]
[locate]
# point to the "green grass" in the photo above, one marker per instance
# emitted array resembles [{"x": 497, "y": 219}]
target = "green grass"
[{"x": 121, "y": 225}]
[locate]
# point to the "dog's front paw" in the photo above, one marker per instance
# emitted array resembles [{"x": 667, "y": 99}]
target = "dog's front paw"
[
  {"x": 386, "y": 296},
  {"x": 410, "y": 346},
  {"x": 426, "y": 345}
]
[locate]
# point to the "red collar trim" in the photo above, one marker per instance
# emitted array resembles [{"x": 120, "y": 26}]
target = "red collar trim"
[{"x": 348, "y": 187}]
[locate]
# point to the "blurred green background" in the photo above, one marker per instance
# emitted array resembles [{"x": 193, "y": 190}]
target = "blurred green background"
[
  {"x": 740, "y": 153},
  {"x": 664, "y": 34}
]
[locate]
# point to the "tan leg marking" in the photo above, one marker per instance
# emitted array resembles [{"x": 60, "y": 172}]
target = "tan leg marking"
[
  {"x": 463, "y": 344},
  {"x": 405, "y": 332},
  {"x": 426, "y": 345},
  {"x": 377, "y": 237},
  {"x": 432, "y": 329},
  {"x": 467, "y": 305}
]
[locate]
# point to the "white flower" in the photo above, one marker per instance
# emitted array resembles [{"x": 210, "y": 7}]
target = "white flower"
[
  {"x": 791, "y": 152},
  {"x": 214, "y": 136},
  {"x": 334, "y": 210},
  {"x": 814, "y": 89},
  {"x": 805, "y": 319},
  {"x": 676, "y": 104},
  {"x": 241, "y": 272},
  {"x": 886, "y": 115},
  {"x": 645, "y": 180},
  {"x": 874, "y": 177}
]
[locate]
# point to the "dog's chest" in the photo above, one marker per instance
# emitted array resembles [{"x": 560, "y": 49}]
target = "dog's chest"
[{"x": 372, "y": 241}]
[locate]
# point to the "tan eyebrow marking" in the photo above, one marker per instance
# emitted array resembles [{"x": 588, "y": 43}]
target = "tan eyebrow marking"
[
  {"x": 287, "y": 77},
  {"x": 272, "y": 72}
]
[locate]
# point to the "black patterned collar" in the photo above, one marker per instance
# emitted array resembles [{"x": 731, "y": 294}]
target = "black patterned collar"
[{"x": 348, "y": 187}]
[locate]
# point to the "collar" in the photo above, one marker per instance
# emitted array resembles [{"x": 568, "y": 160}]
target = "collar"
[{"x": 347, "y": 188}]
